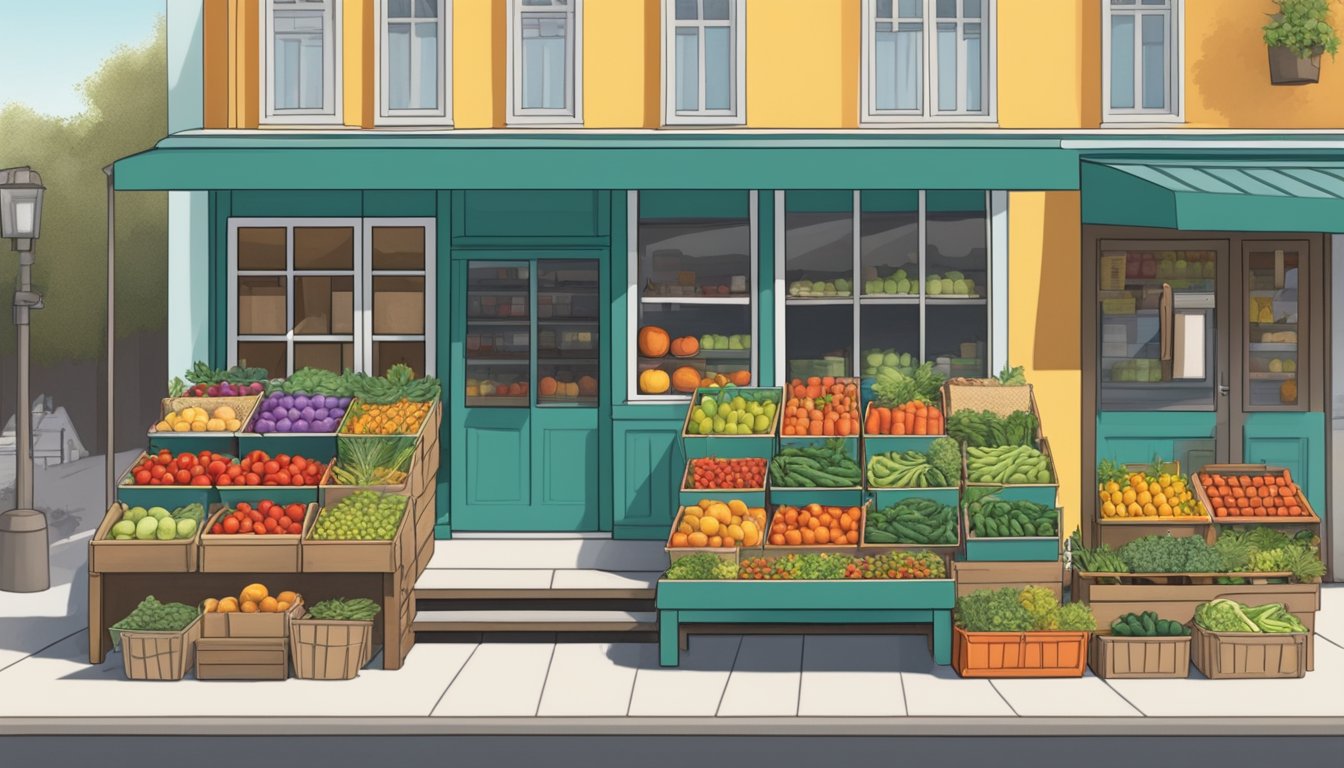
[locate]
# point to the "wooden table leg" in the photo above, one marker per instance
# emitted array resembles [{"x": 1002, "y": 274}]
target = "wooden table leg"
[
  {"x": 669, "y": 654},
  {"x": 393, "y": 653},
  {"x": 97, "y": 632},
  {"x": 942, "y": 637}
]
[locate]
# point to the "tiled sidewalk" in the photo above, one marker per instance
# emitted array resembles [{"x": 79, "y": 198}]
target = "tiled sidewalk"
[{"x": 877, "y": 679}]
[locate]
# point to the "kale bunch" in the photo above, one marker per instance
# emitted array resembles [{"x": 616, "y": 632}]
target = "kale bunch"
[
  {"x": 1171, "y": 554},
  {"x": 944, "y": 455}
]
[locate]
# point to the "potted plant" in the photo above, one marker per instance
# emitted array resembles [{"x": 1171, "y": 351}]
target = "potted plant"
[
  {"x": 1297, "y": 35},
  {"x": 1020, "y": 633}
]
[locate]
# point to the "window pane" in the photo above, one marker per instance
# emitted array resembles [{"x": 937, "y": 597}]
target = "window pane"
[
  {"x": 688, "y": 9},
  {"x": 947, "y": 67},
  {"x": 716, "y": 10},
  {"x": 1154, "y": 61},
  {"x": 398, "y": 9},
  {"x": 910, "y": 9},
  {"x": 974, "y": 82},
  {"x": 399, "y": 304},
  {"x": 310, "y": 87},
  {"x": 499, "y": 334},
  {"x": 900, "y": 67},
  {"x": 427, "y": 55},
  {"x": 718, "y": 68},
  {"x": 324, "y": 306},
  {"x": 427, "y": 9},
  {"x": 544, "y": 63},
  {"x": 324, "y": 248},
  {"x": 889, "y": 337},
  {"x": 398, "y": 248},
  {"x": 261, "y": 248},
  {"x": 889, "y": 244},
  {"x": 971, "y": 9},
  {"x": 884, "y": 9},
  {"x": 568, "y": 350},
  {"x": 947, "y": 9},
  {"x": 328, "y": 355},
  {"x": 269, "y": 355},
  {"x": 956, "y": 251},
  {"x": 398, "y": 66},
  {"x": 389, "y": 353},
  {"x": 954, "y": 338},
  {"x": 819, "y": 267},
  {"x": 286, "y": 73},
  {"x": 1275, "y": 357},
  {"x": 688, "y": 69},
  {"x": 1122, "y": 62},
  {"x": 261, "y": 306}
]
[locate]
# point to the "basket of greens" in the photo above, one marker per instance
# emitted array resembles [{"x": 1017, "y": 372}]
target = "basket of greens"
[{"x": 334, "y": 640}]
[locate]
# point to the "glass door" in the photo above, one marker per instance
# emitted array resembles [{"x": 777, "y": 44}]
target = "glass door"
[
  {"x": 567, "y": 333},
  {"x": 1274, "y": 339},
  {"x": 499, "y": 334}
]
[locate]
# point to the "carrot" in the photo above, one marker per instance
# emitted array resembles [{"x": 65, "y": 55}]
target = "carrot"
[
  {"x": 815, "y": 428},
  {"x": 909, "y": 422},
  {"x": 921, "y": 424},
  {"x": 898, "y": 428},
  {"x": 884, "y": 420},
  {"x": 873, "y": 424}
]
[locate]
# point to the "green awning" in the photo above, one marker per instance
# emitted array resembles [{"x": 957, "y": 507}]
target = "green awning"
[
  {"x": 593, "y": 160},
  {"x": 1248, "y": 195}
]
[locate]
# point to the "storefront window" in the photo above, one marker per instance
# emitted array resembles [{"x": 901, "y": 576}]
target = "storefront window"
[
  {"x": 694, "y": 273},
  {"x": 568, "y": 344},
  {"x": 1275, "y": 319},
  {"x": 499, "y": 333},
  {"x": 900, "y": 305},
  {"x": 315, "y": 293}
]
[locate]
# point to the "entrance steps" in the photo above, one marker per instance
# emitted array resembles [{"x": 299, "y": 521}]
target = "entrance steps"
[{"x": 539, "y": 590}]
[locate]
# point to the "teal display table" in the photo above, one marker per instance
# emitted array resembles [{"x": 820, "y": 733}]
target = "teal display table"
[{"x": 885, "y": 601}]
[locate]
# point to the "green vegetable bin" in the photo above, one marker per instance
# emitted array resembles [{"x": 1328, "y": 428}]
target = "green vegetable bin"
[
  {"x": 733, "y": 446},
  {"x": 874, "y": 547},
  {"x": 827, "y": 497},
  {"x": 885, "y": 497},
  {"x": 1007, "y": 549},
  {"x": 1040, "y": 493},
  {"x": 193, "y": 442},
  {"x": 752, "y": 497},
  {"x": 851, "y": 445}
]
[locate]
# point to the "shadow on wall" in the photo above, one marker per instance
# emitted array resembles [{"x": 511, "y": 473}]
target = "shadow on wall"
[{"x": 1058, "y": 334}]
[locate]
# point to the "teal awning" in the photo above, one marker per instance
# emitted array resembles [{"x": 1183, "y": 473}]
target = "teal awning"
[
  {"x": 1247, "y": 195},
  {"x": 382, "y": 160}
]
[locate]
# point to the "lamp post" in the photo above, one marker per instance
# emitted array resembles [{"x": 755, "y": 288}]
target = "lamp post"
[{"x": 24, "y": 565}]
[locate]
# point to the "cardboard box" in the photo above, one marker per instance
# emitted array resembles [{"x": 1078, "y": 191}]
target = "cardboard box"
[
  {"x": 135, "y": 556},
  {"x": 245, "y": 553},
  {"x": 242, "y": 658},
  {"x": 404, "y": 311},
  {"x": 972, "y": 577},
  {"x": 1113, "y": 657},
  {"x": 250, "y": 625},
  {"x": 1249, "y": 655}
]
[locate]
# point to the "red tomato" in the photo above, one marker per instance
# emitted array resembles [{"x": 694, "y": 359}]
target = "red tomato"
[
  {"x": 143, "y": 477},
  {"x": 295, "y": 528},
  {"x": 182, "y": 476},
  {"x": 255, "y": 516},
  {"x": 231, "y": 525},
  {"x": 282, "y": 459},
  {"x": 156, "y": 471},
  {"x": 218, "y": 468},
  {"x": 274, "y": 513},
  {"x": 257, "y": 456},
  {"x": 284, "y": 522},
  {"x": 223, "y": 480},
  {"x": 258, "y": 530},
  {"x": 296, "y": 514},
  {"x": 297, "y": 480},
  {"x": 235, "y": 471},
  {"x": 299, "y": 463},
  {"x": 197, "y": 470},
  {"x": 185, "y": 461},
  {"x": 252, "y": 479},
  {"x": 265, "y": 505},
  {"x": 200, "y": 480},
  {"x": 271, "y": 467},
  {"x": 217, "y": 528},
  {"x": 243, "y": 506}
]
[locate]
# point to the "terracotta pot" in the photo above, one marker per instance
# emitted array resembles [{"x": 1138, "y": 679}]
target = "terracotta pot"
[{"x": 1286, "y": 68}]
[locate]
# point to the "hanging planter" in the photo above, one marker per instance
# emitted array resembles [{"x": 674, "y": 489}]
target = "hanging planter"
[{"x": 1297, "y": 36}]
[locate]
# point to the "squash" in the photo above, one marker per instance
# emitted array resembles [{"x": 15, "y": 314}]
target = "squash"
[
  {"x": 1288, "y": 392},
  {"x": 587, "y": 386},
  {"x": 686, "y": 346},
  {"x": 571, "y": 389},
  {"x": 740, "y": 378},
  {"x": 653, "y": 341},
  {"x": 685, "y": 379},
  {"x": 654, "y": 381},
  {"x": 547, "y": 386}
]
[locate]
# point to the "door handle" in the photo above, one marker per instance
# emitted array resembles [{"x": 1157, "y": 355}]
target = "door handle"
[
  {"x": 1166, "y": 320},
  {"x": 1223, "y": 389}
]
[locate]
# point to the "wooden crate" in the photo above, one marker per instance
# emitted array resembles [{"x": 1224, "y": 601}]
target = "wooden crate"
[
  {"x": 1308, "y": 518},
  {"x": 242, "y": 658},
  {"x": 244, "y": 553},
  {"x": 1114, "y": 657},
  {"x": 1041, "y": 493},
  {"x": 871, "y": 547},
  {"x": 250, "y": 625},
  {"x": 973, "y": 577},
  {"x": 1019, "y": 654},
  {"x": 1249, "y": 655},
  {"x": 330, "y": 650},
  {"x": 358, "y": 556},
  {"x": 159, "y": 655},
  {"x": 135, "y": 556}
]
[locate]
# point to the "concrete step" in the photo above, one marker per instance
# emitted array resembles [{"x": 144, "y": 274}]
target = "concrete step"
[
  {"x": 529, "y": 621},
  {"x": 535, "y": 584}
]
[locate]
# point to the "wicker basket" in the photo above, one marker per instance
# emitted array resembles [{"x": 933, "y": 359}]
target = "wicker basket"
[
  {"x": 159, "y": 655},
  {"x": 1000, "y": 400},
  {"x": 330, "y": 650},
  {"x": 243, "y": 407}
]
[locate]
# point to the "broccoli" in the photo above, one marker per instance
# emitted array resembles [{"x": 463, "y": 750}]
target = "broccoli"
[
  {"x": 1075, "y": 617},
  {"x": 944, "y": 455},
  {"x": 989, "y": 610},
  {"x": 1042, "y": 604}
]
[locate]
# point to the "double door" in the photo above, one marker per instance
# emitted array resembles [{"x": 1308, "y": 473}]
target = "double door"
[
  {"x": 527, "y": 334},
  {"x": 1208, "y": 349}
]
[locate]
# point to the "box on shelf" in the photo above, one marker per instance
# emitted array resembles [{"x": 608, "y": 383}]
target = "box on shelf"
[
  {"x": 998, "y": 399},
  {"x": 252, "y": 625},
  {"x": 324, "y": 649},
  {"x": 242, "y": 658},
  {"x": 159, "y": 655},
  {"x": 780, "y": 550},
  {"x": 1040, "y": 493},
  {"x": 752, "y": 497},
  {"x": 230, "y": 495},
  {"x": 310, "y": 445},
  {"x": 1019, "y": 654},
  {"x": 1113, "y": 657},
  {"x": 733, "y": 446},
  {"x": 874, "y": 547},
  {"x": 167, "y": 496},
  {"x": 1010, "y": 549},
  {"x": 728, "y": 554},
  {"x": 1308, "y": 518},
  {"x": 136, "y": 556},
  {"x": 246, "y": 553},
  {"x": 875, "y": 443},
  {"x": 1249, "y": 655},
  {"x": 975, "y": 576},
  {"x": 243, "y": 407},
  {"x": 384, "y": 556}
]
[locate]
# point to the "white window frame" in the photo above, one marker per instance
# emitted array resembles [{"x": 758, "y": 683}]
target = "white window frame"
[
  {"x": 332, "y": 110},
  {"x": 571, "y": 114},
  {"x": 634, "y": 290},
  {"x": 928, "y": 114},
  {"x": 1175, "y": 63},
  {"x": 737, "y": 113},
  {"x": 443, "y": 115},
  {"x": 996, "y": 293},
  {"x": 362, "y": 337}
]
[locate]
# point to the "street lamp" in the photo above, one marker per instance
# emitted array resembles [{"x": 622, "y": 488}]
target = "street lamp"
[{"x": 24, "y": 565}]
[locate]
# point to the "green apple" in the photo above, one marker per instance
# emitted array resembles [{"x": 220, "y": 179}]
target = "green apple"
[
  {"x": 158, "y": 513},
  {"x": 707, "y": 342},
  {"x": 900, "y": 274},
  {"x": 123, "y": 528},
  {"x": 761, "y": 423},
  {"x": 734, "y": 342},
  {"x": 903, "y": 286},
  {"x": 136, "y": 514},
  {"x": 147, "y": 528},
  {"x": 720, "y": 424},
  {"x": 959, "y": 288},
  {"x": 889, "y": 285},
  {"x": 934, "y": 287},
  {"x": 706, "y": 426},
  {"x": 842, "y": 286},
  {"x": 731, "y": 418},
  {"x": 185, "y": 528}
]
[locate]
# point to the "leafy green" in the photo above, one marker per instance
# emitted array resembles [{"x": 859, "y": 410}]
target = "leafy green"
[
  {"x": 1171, "y": 554},
  {"x": 701, "y": 566},
  {"x": 340, "y": 609},
  {"x": 945, "y": 456},
  {"x": 1302, "y": 26},
  {"x": 1012, "y": 376},
  {"x": 153, "y": 616},
  {"x": 201, "y": 373},
  {"x": 1041, "y": 604},
  {"x": 1031, "y": 609},
  {"x": 986, "y": 429},
  {"x": 892, "y": 389},
  {"x": 1075, "y": 617},
  {"x": 1224, "y": 615},
  {"x": 373, "y": 460}
]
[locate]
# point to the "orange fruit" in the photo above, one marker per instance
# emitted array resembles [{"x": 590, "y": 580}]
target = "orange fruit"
[
  {"x": 253, "y": 592},
  {"x": 287, "y": 597},
  {"x": 282, "y": 606},
  {"x": 267, "y": 605},
  {"x": 227, "y": 605},
  {"x": 738, "y": 507},
  {"x": 698, "y": 539},
  {"x": 209, "y": 605},
  {"x": 679, "y": 539},
  {"x": 249, "y": 607}
]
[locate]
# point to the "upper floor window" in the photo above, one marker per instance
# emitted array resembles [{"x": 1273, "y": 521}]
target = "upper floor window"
[
  {"x": 704, "y": 66},
  {"x": 414, "y": 41},
  {"x": 301, "y": 70},
  {"x": 1141, "y": 51},
  {"x": 546, "y": 61},
  {"x": 928, "y": 60}
]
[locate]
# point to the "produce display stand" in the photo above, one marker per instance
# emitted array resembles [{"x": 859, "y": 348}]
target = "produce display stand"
[
  {"x": 1019, "y": 654},
  {"x": 314, "y": 444},
  {"x": 733, "y": 446},
  {"x": 1114, "y": 657},
  {"x": 169, "y": 497},
  {"x": 868, "y": 547},
  {"x": 1007, "y": 549},
  {"x": 1250, "y": 655},
  {"x": 223, "y": 441},
  {"x": 684, "y": 604},
  {"x": 975, "y": 576},
  {"x": 1175, "y": 596},
  {"x": 998, "y": 399},
  {"x": 827, "y": 497},
  {"x": 242, "y": 658},
  {"x": 727, "y": 554}
]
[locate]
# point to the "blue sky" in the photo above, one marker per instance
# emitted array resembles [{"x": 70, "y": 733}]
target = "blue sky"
[{"x": 48, "y": 48}]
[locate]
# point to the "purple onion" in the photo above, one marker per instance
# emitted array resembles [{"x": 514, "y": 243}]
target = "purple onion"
[
  {"x": 288, "y": 401},
  {"x": 292, "y": 413},
  {"x": 336, "y": 414},
  {"x": 300, "y": 401},
  {"x": 300, "y": 426},
  {"x": 264, "y": 425},
  {"x": 283, "y": 425},
  {"x": 321, "y": 413},
  {"x": 256, "y": 388},
  {"x": 318, "y": 401},
  {"x": 344, "y": 402},
  {"x": 308, "y": 414}
]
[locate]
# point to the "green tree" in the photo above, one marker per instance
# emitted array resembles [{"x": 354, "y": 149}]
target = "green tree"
[{"x": 127, "y": 112}]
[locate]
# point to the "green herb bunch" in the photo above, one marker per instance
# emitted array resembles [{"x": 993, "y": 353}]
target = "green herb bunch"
[
  {"x": 1030, "y": 609},
  {"x": 1302, "y": 26},
  {"x": 701, "y": 566},
  {"x": 340, "y": 609}
]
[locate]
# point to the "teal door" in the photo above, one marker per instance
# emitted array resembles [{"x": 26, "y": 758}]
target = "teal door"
[{"x": 527, "y": 364}]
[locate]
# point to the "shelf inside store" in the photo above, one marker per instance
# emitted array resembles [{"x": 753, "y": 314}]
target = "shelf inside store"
[
  {"x": 952, "y": 301},
  {"x": 1273, "y": 346},
  {"x": 558, "y": 290},
  {"x": 1275, "y": 326},
  {"x": 566, "y": 402},
  {"x": 493, "y": 401},
  {"x": 1271, "y": 375},
  {"x": 567, "y": 321},
  {"x": 521, "y": 291},
  {"x": 880, "y": 299},
  {"x": 703, "y": 354},
  {"x": 567, "y": 361},
  {"x": 481, "y": 360},
  {"x": 818, "y": 301},
  {"x": 713, "y": 300},
  {"x": 498, "y": 322}
]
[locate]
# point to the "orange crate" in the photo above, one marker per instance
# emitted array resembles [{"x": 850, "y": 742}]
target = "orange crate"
[
  {"x": 1308, "y": 516},
  {"x": 1019, "y": 654}
]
